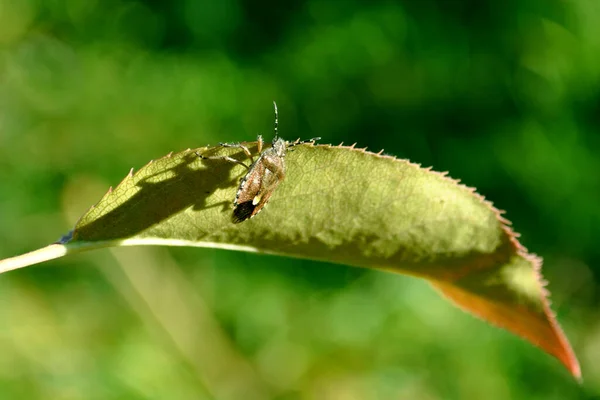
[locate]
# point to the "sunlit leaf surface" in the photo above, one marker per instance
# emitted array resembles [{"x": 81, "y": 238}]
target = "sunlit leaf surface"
[{"x": 342, "y": 205}]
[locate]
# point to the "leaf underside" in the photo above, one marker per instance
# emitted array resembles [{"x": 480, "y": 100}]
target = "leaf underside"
[{"x": 342, "y": 205}]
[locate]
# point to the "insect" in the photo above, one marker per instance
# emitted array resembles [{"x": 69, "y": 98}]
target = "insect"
[{"x": 263, "y": 176}]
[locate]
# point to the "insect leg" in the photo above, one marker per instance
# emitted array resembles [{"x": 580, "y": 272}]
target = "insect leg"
[
  {"x": 226, "y": 158},
  {"x": 239, "y": 146},
  {"x": 259, "y": 145}
]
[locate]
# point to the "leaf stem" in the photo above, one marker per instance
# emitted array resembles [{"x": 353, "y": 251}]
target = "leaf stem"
[{"x": 33, "y": 257}]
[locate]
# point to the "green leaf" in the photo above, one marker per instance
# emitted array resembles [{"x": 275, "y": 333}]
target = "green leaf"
[{"x": 337, "y": 204}]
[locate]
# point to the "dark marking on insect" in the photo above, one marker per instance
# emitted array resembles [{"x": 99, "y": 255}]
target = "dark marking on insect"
[{"x": 263, "y": 176}]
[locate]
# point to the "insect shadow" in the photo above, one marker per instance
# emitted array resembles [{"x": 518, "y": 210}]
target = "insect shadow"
[
  {"x": 166, "y": 193},
  {"x": 159, "y": 198}
]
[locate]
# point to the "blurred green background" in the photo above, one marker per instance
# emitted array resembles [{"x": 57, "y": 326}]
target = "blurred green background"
[{"x": 503, "y": 94}]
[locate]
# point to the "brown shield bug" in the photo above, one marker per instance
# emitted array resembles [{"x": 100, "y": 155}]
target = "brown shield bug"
[{"x": 262, "y": 176}]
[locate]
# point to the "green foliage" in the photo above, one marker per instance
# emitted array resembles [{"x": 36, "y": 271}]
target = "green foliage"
[{"x": 337, "y": 204}]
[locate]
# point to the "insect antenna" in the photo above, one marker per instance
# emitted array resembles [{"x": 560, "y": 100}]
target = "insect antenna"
[{"x": 276, "y": 119}]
